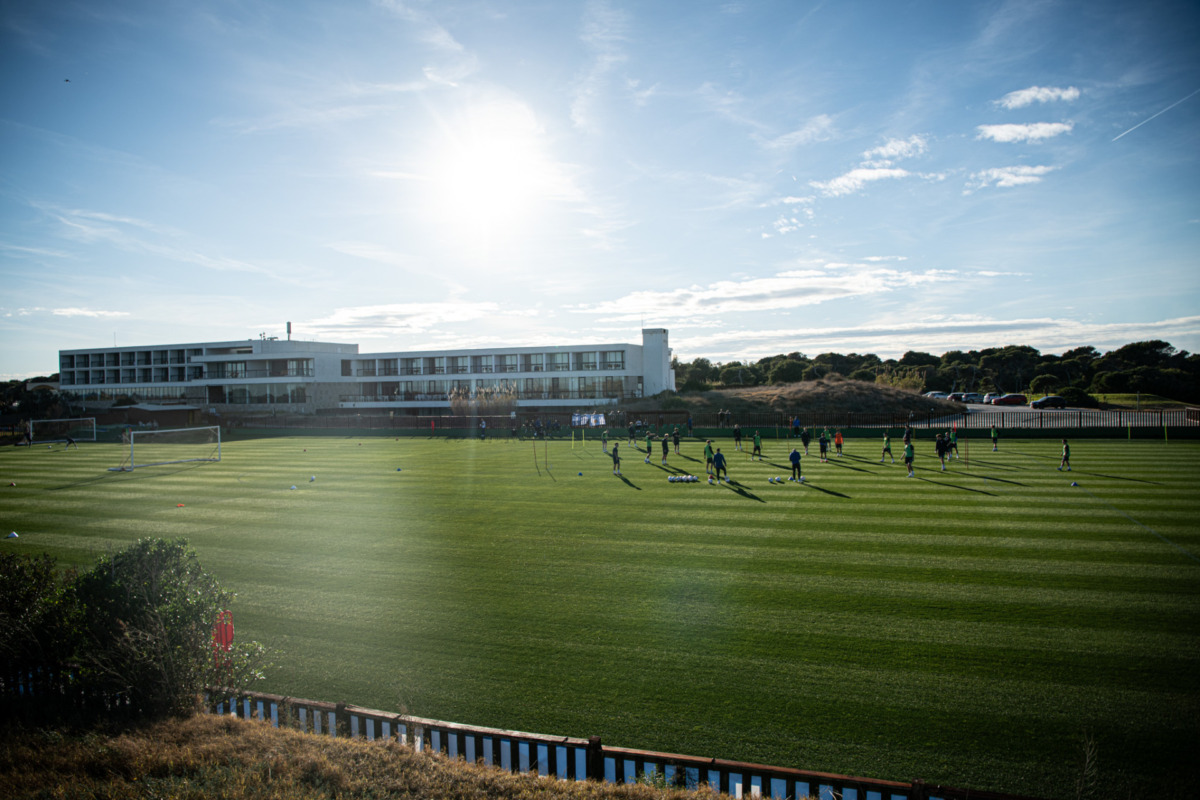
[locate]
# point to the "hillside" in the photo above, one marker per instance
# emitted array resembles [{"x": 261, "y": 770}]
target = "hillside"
[
  {"x": 209, "y": 756},
  {"x": 826, "y": 394}
]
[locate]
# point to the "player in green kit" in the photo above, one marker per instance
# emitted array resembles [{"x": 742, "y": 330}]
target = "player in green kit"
[
  {"x": 995, "y": 439},
  {"x": 757, "y": 451},
  {"x": 708, "y": 457},
  {"x": 1066, "y": 457},
  {"x": 887, "y": 450},
  {"x": 954, "y": 442},
  {"x": 649, "y": 445},
  {"x": 908, "y": 458}
]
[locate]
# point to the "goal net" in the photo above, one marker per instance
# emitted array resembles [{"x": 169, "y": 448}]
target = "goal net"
[
  {"x": 81, "y": 429},
  {"x": 152, "y": 448}
]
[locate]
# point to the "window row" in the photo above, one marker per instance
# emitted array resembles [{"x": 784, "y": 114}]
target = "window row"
[{"x": 487, "y": 364}]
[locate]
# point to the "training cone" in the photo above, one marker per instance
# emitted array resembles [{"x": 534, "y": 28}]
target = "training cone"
[
  {"x": 581, "y": 474},
  {"x": 397, "y": 469},
  {"x": 293, "y": 487},
  {"x": 12, "y": 535},
  {"x": 313, "y": 478},
  {"x": 1073, "y": 483},
  {"x": 179, "y": 505}
]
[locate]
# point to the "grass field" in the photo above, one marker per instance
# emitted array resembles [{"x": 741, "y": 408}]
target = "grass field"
[{"x": 973, "y": 627}]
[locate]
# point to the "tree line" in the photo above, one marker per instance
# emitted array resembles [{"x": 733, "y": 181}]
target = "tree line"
[{"x": 1151, "y": 367}]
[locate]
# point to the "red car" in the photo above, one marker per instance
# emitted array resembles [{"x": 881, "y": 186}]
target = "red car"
[{"x": 1010, "y": 400}]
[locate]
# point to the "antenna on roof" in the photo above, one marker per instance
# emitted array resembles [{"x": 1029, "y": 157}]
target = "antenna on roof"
[{"x": 289, "y": 331}]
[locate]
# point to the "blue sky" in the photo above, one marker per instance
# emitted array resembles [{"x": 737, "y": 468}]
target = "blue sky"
[{"x": 757, "y": 177}]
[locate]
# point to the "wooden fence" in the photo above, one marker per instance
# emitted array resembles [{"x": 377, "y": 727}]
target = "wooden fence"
[{"x": 567, "y": 758}]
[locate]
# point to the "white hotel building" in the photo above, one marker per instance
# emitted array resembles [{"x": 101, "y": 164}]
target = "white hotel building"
[{"x": 268, "y": 374}]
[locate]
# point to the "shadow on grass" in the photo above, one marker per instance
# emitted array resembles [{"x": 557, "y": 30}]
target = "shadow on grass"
[
  {"x": 808, "y": 485},
  {"x": 843, "y": 465},
  {"x": 629, "y": 483},
  {"x": 999, "y": 480},
  {"x": 954, "y": 486},
  {"x": 1115, "y": 477},
  {"x": 996, "y": 465},
  {"x": 739, "y": 489},
  {"x": 132, "y": 475}
]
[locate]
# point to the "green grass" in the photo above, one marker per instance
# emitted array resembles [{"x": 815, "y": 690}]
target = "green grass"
[
  {"x": 970, "y": 627},
  {"x": 1131, "y": 400}
]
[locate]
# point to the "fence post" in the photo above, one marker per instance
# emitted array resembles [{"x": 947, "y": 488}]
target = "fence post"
[
  {"x": 341, "y": 725},
  {"x": 918, "y": 790},
  {"x": 595, "y": 759}
]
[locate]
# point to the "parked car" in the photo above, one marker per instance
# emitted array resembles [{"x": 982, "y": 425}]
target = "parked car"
[
  {"x": 936, "y": 395},
  {"x": 958, "y": 397},
  {"x": 989, "y": 397},
  {"x": 972, "y": 397},
  {"x": 1010, "y": 400},
  {"x": 1049, "y": 401}
]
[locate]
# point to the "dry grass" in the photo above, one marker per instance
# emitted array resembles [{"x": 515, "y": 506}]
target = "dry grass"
[
  {"x": 833, "y": 394},
  {"x": 209, "y": 756}
]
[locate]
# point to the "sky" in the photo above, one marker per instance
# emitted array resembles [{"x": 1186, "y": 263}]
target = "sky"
[{"x": 756, "y": 177}]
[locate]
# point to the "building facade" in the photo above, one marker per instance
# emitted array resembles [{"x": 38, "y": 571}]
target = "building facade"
[{"x": 312, "y": 377}]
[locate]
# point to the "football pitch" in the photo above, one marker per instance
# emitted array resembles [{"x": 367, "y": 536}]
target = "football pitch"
[{"x": 976, "y": 627}]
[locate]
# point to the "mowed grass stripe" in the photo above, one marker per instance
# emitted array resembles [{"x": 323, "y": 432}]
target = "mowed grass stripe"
[{"x": 966, "y": 627}]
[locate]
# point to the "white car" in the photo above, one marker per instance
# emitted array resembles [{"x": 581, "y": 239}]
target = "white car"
[
  {"x": 972, "y": 397},
  {"x": 936, "y": 395}
]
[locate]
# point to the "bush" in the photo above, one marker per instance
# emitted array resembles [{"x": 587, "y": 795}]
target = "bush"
[
  {"x": 147, "y": 627},
  {"x": 1078, "y": 398}
]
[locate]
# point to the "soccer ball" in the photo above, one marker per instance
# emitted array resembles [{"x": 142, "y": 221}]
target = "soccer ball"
[
  {"x": 770, "y": 480},
  {"x": 313, "y": 478}
]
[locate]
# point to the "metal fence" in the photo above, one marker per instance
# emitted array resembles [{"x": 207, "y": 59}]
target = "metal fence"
[{"x": 569, "y": 758}]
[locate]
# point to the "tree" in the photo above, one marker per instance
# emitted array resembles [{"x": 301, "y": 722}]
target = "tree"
[
  {"x": 1045, "y": 384},
  {"x": 1009, "y": 367},
  {"x": 787, "y": 371},
  {"x": 738, "y": 374},
  {"x": 916, "y": 359},
  {"x": 148, "y": 615}
]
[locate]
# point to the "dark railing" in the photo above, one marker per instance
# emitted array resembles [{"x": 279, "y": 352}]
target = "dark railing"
[
  {"x": 980, "y": 420},
  {"x": 569, "y": 758}
]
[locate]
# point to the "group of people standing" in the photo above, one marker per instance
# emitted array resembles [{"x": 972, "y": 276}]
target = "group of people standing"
[{"x": 716, "y": 463}]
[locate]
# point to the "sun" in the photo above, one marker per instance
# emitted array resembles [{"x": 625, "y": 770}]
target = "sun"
[{"x": 490, "y": 176}]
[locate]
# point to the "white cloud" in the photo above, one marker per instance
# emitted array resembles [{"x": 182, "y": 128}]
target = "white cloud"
[
  {"x": 1037, "y": 94},
  {"x": 379, "y": 321},
  {"x": 1007, "y": 177},
  {"x": 856, "y": 179},
  {"x": 789, "y": 201},
  {"x": 1023, "y": 133},
  {"x": 784, "y": 290},
  {"x": 817, "y": 129},
  {"x": 603, "y": 34},
  {"x": 87, "y": 312},
  {"x": 899, "y": 148}
]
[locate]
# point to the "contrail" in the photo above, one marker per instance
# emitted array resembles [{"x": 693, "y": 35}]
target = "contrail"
[{"x": 1165, "y": 110}]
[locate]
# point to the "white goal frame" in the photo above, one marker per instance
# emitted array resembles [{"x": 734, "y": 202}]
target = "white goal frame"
[
  {"x": 84, "y": 429},
  {"x": 133, "y": 434}
]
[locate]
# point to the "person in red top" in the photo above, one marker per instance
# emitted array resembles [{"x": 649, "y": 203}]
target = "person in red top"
[{"x": 837, "y": 443}]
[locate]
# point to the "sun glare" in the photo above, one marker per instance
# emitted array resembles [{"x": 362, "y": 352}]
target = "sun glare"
[{"x": 489, "y": 174}]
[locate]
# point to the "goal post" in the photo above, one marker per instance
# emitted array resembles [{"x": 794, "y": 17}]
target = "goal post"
[
  {"x": 81, "y": 429},
  {"x": 152, "y": 448}
]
